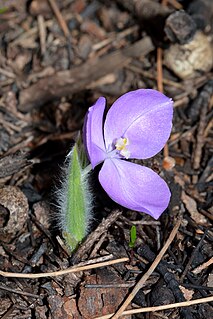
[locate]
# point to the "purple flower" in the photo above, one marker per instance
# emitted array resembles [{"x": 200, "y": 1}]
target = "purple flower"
[{"x": 137, "y": 125}]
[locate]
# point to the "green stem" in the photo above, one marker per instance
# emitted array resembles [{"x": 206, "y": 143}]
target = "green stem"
[{"x": 78, "y": 205}]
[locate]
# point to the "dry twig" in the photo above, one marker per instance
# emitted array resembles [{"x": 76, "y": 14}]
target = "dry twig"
[
  {"x": 63, "y": 26},
  {"x": 95, "y": 235},
  {"x": 60, "y": 18},
  {"x": 42, "y": 33},
  {"x": 159, "y": 70},
  {"x": 63, "y": 271},
  {"x": 163, "y": 307},
  {"x": 198, "y": 269},
  {"x": 149, "y": 272}
]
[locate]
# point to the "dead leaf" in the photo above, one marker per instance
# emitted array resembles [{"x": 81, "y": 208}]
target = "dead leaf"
[
  {"x": 191, "y": 206},
  {"x": 188, "y": 294},
  {"x": 99, "y": 299}
]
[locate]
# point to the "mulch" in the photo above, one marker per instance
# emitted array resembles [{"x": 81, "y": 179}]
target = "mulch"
[{"x": 56, "y": 59}]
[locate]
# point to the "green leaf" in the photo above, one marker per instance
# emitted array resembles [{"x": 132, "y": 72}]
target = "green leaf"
[
  {"x": 76, "y": 204},
  {"x": 133, "y": 236}
]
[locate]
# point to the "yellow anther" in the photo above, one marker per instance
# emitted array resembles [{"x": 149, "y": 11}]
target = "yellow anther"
[{"x": 121, "y": 145}]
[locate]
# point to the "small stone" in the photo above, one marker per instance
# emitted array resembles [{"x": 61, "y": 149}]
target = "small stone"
[{"x": 191, "y": 59}]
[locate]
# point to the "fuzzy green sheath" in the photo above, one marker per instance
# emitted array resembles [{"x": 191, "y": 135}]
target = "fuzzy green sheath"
[{"x": 77, "y": 201}]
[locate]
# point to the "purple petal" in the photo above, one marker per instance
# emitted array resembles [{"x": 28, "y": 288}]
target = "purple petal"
[
  {"x": 93, "y": 132},
  {"x": 144, "y": 117},
  {"x": 135, "y": 187}
]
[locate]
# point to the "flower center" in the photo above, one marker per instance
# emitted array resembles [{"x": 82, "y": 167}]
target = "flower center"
[{"x": 121, "y": 145}]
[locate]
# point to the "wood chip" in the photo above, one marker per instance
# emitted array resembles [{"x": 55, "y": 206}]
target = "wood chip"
[{"x": 191, "y": 206}]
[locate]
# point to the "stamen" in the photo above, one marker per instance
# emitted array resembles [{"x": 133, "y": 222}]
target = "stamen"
[
  {"x": 121, "y": 145},
  {"x": 125, "y": 153}
]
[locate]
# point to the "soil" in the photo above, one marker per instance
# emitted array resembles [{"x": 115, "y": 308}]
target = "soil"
[{"x": 56, "y": 59}]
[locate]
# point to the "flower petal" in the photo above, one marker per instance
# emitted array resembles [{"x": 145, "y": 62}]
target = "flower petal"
[
  {"x": 93, "y": 132},
  {"x": 144, "y": 117},
  {"x": 135, "y": 187}
]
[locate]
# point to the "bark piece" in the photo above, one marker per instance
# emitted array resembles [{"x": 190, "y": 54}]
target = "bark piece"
[
  {"x": 200, "y": 102},
  {"x": 202, "y": 13},
  {"x": 14, "y": 205},
  {"x": 67, "y": 82},
  {"x": 191, "y": 206},
  {"x": 12, "y": 164},
  {"x": 169, "y": 278},
  {"x": 102, "y": 294},
  {"x": 161, "y": 296},
  {"x": 150, "y": 14},
  {"x": 180, "y": 27}
]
